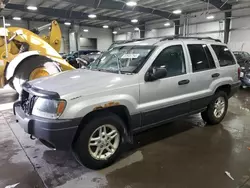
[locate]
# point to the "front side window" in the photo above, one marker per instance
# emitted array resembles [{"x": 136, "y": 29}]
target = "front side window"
[
  {"x": 171, "y": 58},
  {"x": 201, "y": 57},
  {"x": 123, "y": 59},
  {"x": 224, "y": 55}
]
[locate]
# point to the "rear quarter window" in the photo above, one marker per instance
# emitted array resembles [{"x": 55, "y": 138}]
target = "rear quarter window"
[{"x": 224, "y": 55}]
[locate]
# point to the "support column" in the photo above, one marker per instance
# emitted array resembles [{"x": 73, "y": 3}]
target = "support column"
[
  {"x": 227, "y": 26},
  {"x": 28, "y": 25},
  {"x": 142, "y": 30},
  {"x": 76, "y": 28},
  {"x": 113, "y": 36},
  {"x": 77, "y": 38},
  {"x": 176, "y": 27},
  {"x": 68, "y": 41}
]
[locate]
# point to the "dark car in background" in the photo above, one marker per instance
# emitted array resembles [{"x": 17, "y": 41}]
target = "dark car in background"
[
  {"x": 243, "y": 59},
  {"x": 71, "y": 58}
]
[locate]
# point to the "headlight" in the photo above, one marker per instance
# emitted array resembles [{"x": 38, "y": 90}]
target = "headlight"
[
  {"x": 48, "y": 108},
  {"x": 243, "y": 68}
]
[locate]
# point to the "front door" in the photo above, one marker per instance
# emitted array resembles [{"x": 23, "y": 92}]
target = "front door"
[{"x": 166, "y": 98}]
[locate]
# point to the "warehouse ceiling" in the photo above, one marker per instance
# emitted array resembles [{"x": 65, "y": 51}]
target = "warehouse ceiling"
[{"x": 113, "y": 13}]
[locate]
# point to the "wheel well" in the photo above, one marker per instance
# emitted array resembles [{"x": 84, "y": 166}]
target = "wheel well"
[
  {"x": 225, "y": 88},
  {"x": 13, "y": 72},
  {"x": 28, "y": 58},
  {"x": 120, "y": 110}
]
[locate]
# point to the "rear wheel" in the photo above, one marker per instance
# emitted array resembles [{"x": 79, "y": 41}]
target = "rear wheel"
[
  {"x": 217, "y": 109},
  {"x": 99, "y": 142},
  {"x": 32, "y": 68}
]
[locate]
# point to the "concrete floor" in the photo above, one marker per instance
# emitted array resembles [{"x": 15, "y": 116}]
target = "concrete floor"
[{"x": 183, "y": 154}]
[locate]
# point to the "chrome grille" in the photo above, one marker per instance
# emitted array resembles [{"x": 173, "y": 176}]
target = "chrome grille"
[{"x": 27, "y": 102}]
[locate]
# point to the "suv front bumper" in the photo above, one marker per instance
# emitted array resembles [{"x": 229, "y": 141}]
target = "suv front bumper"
[{"x": 57, "y": 133}]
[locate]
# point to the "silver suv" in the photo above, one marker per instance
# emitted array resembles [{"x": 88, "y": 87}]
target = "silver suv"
[{"x": 130, "y": 88}]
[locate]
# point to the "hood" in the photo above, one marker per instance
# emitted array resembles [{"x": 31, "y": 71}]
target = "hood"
[{"x": 83, "y": 80}]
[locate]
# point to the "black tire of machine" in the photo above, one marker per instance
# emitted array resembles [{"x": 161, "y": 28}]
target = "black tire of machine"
[
  {"x": 208, "y": 115},
  {"x": 81, "y": 145},
  {"x": 23, "y": 71}
]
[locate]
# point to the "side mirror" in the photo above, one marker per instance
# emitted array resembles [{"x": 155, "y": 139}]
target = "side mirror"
[{"x": 155, "y": 74}]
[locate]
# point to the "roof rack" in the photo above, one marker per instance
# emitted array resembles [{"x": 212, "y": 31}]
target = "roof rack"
[
  {"x": 166, "y": 38},
  {"x": 181, "y": 37}
]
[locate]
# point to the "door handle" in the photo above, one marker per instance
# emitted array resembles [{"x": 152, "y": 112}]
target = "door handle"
[
  {"x": 183, "y": 82},
  {"x": 215, "y": 75}
]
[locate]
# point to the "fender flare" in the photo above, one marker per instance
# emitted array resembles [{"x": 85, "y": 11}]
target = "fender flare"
[{"x": 16, "y": 61}]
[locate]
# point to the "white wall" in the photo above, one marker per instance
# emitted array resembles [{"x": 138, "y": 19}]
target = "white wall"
[
  {"x": 240, "y": 34},
  {"x": 72, "y": 42},
  {"x": 103, "y": 36},
  {"x": 127, "y": 34},
  {"x": 161, "y": 30},
  {"x": 150, "y": 31},
  {"x": 239, "y": 38},
  {"x": 200, "y": 26},
  {"x": 14, "y": 23}
]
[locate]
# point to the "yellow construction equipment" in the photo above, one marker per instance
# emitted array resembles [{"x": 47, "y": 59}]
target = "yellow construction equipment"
[{"x": 26, "y": 56}]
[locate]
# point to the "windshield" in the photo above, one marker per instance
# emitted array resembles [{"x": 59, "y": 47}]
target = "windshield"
[
  {"x": 242, "y": 55},
  {"x": 239, "y": 56},
  {"x": 247, "y": 55},
  {"x": 123, "y": 59}
]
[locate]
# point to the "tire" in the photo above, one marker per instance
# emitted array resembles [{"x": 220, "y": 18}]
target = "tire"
[
  {"x": 82, "y": 148},
  {"x": 24, "y": 70},
  {"x": 209, "y": 114}
]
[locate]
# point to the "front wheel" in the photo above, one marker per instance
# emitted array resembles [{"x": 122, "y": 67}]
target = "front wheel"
[
  {"x": 99, "y": 142},
  {"x": 217, "y": 109},
  {"x": 31, "y": 68}
]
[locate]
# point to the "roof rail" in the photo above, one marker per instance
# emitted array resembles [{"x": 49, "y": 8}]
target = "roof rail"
[
  {"x": 181, "y": 37},
  {"x": 166, "y": 38}
]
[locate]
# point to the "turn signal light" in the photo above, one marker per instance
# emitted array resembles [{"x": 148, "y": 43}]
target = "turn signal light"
[{"x": 61, "y": 106}]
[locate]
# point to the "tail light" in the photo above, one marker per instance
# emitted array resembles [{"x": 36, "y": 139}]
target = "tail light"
[{"x": 239, "y": 71}]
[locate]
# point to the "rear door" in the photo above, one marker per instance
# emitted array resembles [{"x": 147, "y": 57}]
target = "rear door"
[
  {"x": 226, "y": 61},
  {"x": 204, "y": 72}
]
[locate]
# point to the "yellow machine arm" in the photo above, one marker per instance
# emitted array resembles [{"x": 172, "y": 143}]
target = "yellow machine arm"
[{"x": 54, "y": 38}]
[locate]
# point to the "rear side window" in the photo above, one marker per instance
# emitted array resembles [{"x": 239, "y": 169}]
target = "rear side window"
[
  {"x": 201, "y": 57},
  {"x": 224, "y": 55}
]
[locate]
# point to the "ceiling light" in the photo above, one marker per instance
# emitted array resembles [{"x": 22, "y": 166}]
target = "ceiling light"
[
  {"x": 137, "y": 29},
  {"x": 92, "y": 16},
  {"x": 16, "y": 18},
  {"x": 67, "y": 23},
  {"x": 210, "y": 17},
  {"x": 86, "y": 30},
  {"x": 115, "y": 32},
  {"x": 134, "y": 21},
  {"x": 7, "y": 24},
  {"x": 31, "y": 7},
  {"x": 177, "y": 11},
  {"x": 105, "y": 26},
  {"x": 167, "y": 24},
  {"x": 131, "y": 3}
]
